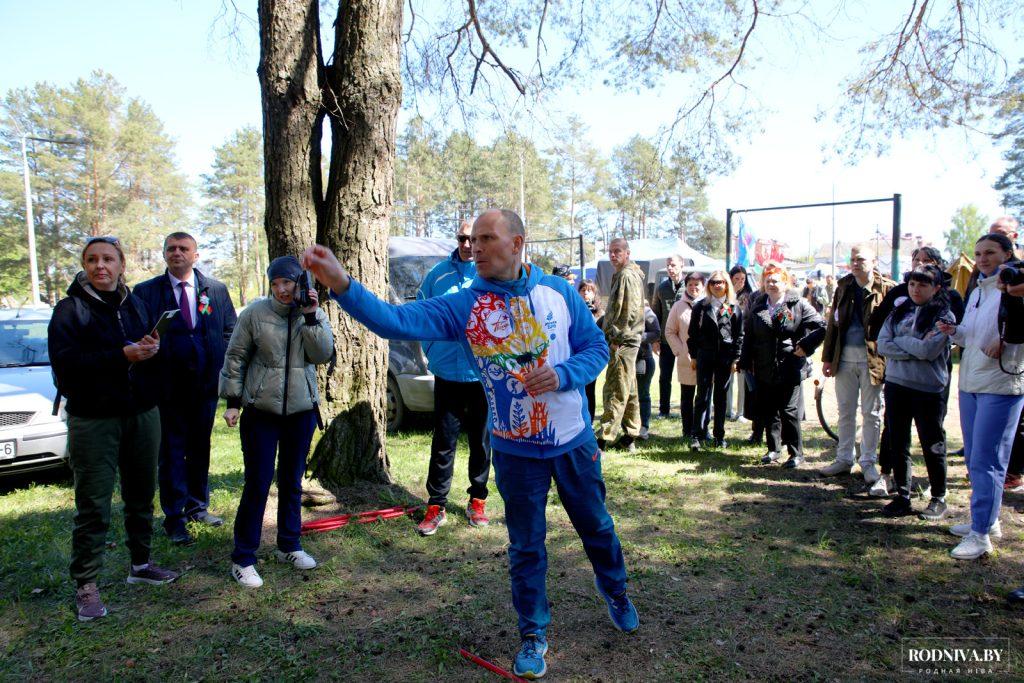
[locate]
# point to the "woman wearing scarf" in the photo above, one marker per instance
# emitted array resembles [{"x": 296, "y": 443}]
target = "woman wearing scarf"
[
  {"x": 714, "y": 341},
  {"x": 782, "y": 332}
]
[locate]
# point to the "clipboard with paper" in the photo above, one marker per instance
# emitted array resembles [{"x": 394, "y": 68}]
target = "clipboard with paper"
[{"x": 164, "y": 321}]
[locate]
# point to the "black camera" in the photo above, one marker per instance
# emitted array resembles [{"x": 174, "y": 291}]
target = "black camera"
[
  {"x": 303, "y": 283},
  {"x": 1012, "y": 274},
  {"x": 1011, "y": 308}
]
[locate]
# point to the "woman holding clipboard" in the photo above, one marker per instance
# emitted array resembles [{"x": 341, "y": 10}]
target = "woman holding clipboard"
[{"x": 100, "y": 345}]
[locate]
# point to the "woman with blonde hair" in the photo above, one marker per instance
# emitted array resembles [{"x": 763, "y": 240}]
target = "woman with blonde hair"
[
  {"x": 782, "y": 331},
  {"x": 714, "y": 340},
  {"x": 101, "y": 348}
]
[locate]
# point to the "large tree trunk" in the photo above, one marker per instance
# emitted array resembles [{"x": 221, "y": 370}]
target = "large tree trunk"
[
  {"x": 360, "y": 93},
  {"x": 367, "y": 91},
  {"x": 289, "y": 80}
]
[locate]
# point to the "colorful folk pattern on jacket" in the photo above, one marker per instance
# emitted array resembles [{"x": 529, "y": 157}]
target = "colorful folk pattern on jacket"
[{"x": 508, "y": 342}]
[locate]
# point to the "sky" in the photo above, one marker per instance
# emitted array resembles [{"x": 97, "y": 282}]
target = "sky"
[{"x": 203, "y": 86}]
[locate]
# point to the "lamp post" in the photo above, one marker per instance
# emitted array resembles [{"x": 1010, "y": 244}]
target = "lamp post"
[{"x": 29, "y": 223}]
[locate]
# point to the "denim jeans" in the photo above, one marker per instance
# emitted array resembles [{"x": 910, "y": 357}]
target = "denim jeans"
[
  {"x": 264, "y": 435},
  {"x": 989, "y": 422}
]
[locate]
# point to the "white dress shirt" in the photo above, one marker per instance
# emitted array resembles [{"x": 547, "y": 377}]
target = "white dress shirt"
[{"x": 190, "y": 293}]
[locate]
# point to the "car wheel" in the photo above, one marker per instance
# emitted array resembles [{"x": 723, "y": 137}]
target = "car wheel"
[{"x": 394, "y": 406}]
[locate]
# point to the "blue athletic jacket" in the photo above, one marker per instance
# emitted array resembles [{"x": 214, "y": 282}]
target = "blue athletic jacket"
[
  {"x": 506, "y": 329},
  {"x": 447, "y": 359}
]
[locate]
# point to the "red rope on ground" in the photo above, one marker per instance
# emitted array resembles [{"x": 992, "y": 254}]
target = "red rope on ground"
[
  {"x": 490, "y": 667},
  {"x": 332, "y": 523}
]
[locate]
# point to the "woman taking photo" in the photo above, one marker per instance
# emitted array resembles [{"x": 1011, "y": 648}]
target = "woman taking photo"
[
  {"x": 991, "y": 396},
  {"x": 677, "y": 332},
  {"x": 99, "y": 351},
  {"x": 782, "y": 332},
  {"x": 269, "y": 372},
  {"x": 916, "y": 373},
  {"x": 715, "y": 339}
]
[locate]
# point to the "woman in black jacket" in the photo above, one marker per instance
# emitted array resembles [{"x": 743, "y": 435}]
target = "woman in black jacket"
[
  {"x": 782, "y": 332},
  {"x": 100, "y": 351},
  {"x": 715, "y": 339}
]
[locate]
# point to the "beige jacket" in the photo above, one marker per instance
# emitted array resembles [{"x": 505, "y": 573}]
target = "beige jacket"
[{"x": 677, "y": 332}]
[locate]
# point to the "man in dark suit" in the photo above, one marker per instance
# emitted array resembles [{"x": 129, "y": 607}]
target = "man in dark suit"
[{"x": 190, "y": 359}]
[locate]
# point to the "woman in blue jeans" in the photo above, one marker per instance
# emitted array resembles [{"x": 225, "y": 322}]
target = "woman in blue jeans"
[
  {"x": 269, "y": 372},
  {"x": 991, "y": 397}
]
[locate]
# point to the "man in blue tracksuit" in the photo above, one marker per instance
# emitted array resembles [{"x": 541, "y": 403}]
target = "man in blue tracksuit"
[
  {"x": 458, "y": 400},
  {"x": 535, "y": 347}
]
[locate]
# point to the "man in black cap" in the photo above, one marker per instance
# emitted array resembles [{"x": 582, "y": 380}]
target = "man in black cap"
[{"x": 191, "y": 355}]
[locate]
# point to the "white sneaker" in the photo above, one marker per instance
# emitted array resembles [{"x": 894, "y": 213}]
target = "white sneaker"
[
  {"x": 995, "y": 531},
  {"x": 870, "y": 473},
  {"x": 882, "y": 487},
  {"x": 837, "y": 467},
  {"x": 644, "y": 434},
  {"x": 247, "y": 576},
  {"x": 299, "y": 559},
  {"x": 972, "y": 547}
]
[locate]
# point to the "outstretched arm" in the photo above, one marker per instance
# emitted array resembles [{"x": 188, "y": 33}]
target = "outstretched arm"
[{"x": 428, "y": 320}]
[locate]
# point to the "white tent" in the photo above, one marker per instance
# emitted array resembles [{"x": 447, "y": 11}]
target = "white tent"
[
  {"x": 651, "y": 255},
  {"x": 663, "y": 247}
]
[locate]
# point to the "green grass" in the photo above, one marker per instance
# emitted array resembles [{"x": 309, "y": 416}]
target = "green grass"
[{"x": 738, "y": 570}]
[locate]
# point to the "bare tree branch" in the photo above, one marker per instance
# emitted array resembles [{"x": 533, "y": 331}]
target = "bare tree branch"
[
  {"x": 710, "y": 90},
  {"x": 486, "y": 49}
]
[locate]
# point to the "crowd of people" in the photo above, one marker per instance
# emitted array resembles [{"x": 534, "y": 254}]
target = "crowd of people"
[{"x": 516, "y": 354}]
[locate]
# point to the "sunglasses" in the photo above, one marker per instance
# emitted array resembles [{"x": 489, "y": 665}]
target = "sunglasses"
[
  {"x": 716, "y": 282},
  {"x": 463, "y": 238},
  {"x": 106, "y": 239}
]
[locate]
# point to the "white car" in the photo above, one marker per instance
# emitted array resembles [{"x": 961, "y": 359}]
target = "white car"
[{"x": 31, "y": 436}]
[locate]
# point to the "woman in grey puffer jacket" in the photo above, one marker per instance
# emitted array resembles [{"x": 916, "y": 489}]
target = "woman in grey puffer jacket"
[{"x": 269, "y": 372}]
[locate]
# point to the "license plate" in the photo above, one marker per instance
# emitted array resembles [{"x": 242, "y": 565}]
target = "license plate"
[{"x": 8, "y": 450}]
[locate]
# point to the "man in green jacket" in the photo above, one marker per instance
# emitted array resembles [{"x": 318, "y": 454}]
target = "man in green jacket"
[{"x": 623, "y": 328}]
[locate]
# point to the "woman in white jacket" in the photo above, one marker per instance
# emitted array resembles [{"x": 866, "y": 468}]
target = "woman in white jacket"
[
  {"x": 677, "y": 332},
  {"x": 991, "y": 397}
]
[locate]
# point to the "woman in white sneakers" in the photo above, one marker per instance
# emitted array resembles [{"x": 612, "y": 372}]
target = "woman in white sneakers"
[
  {"x": 269, "y": 372},
  {"x": 991, "y": 397}
]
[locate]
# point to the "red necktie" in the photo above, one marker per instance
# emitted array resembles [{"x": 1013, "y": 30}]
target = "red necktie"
[{"x": 186, "y": 310}]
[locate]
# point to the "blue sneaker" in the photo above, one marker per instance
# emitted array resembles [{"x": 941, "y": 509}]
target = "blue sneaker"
[
  {"x": 530, "y": 658},
  {"x": 621, "y": 610}
]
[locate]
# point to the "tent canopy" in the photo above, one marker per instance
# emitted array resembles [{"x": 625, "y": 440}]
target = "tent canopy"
[
  {"x": 961, "y": 270},
  {"x": 651, "y": 255}
]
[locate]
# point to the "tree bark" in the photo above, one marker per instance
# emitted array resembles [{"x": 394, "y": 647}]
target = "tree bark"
[
  {"x": 290, "y": 86},
  {"x": 365, "y": 94}
]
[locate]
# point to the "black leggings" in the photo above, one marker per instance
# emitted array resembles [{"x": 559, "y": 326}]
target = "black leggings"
[{"x": 903, "y": 406}]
